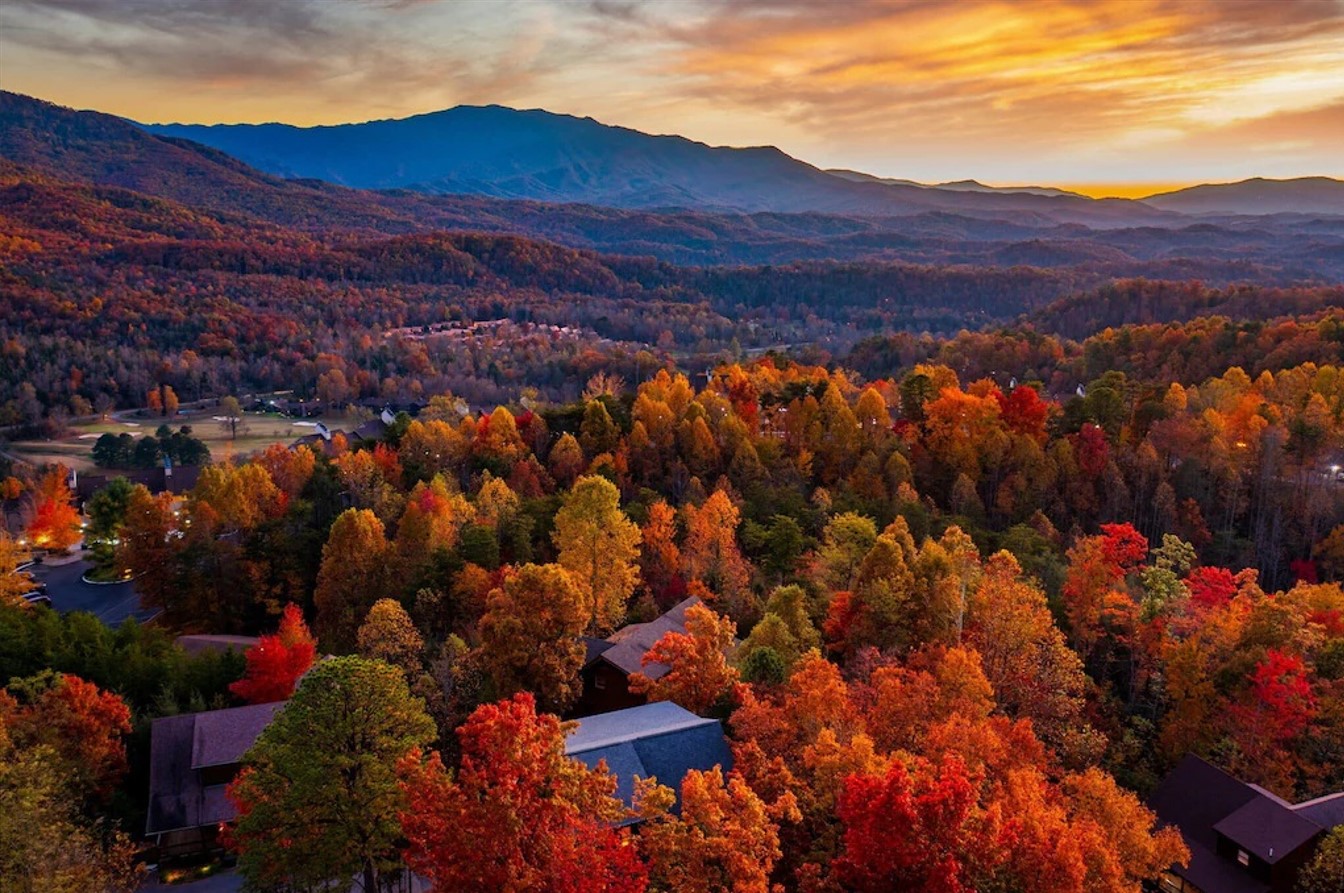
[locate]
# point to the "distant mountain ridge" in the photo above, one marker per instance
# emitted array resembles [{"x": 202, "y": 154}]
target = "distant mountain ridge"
[
  {"x": 1258, "y": 195},
  {"x": 40, "y": 139},
  {"x": 952, "y": 186},
  {"x": 538, "y": 155}
]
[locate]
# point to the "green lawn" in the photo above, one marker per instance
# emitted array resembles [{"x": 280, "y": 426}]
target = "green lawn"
[{"x": 262, "y": 430}]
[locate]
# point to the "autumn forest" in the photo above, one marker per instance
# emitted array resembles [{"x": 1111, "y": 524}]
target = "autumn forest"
[{"x": 955, "y": 535}]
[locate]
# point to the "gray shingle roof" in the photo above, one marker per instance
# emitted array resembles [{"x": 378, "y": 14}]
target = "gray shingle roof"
[
  {"x": 1327, "y": 811},
  {"x": 180, "y": 746},
  {"x": 658, "y": 740},
  {"x": 222, "y": 737},
  {"x": 1267, "y": 829},
  {"x": 593, "y": 648}
]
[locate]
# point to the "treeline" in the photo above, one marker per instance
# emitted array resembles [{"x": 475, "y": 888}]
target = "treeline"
[
  {"x": 1143, "y": 302},
  {"x": 1185, "y": 352},
  {"x": 150, "y": 451}
]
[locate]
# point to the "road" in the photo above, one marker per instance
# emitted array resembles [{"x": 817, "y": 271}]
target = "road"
[
  {"x": 225, "y": 882},
  {"x": 111, "y": 603}
]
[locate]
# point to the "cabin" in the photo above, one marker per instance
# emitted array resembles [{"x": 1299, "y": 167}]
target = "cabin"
[
  {"x": 658, "y": 740},
  {"x": 163, "y": 479},
  {"x": 373, "y": 430},
  {"x": 321, "y": 440},
  {"x": 609, "y": 663},
  {"x": 1242, "y": 838},
  {"x": 192, "y": 759}
]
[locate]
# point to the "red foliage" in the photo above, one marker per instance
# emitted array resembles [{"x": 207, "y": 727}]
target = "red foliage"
[
  {"x": 1024, "y": 412},
  {"x": 840, "y": 619},
  {"x": 1093, "y": 450},
  {"x": 276, "y": 662},
  {"x": 55, "y": 523},
  {"x": 388, "y": 462},
  {"x": 1281, "y": 702},
  {"x": 1304, "y": 570},
  {"x": 82, "y": 723},
  {"x": 1211, "y": 587},
  {"x": 911, "y": 832},
  {"x": 519, "y": 815},
  {"x": 1124, "y": 547}
]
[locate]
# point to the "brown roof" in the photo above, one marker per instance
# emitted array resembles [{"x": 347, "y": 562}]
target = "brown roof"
[
  {"x": 1267, "y": 829},
  {"x": 631, "y": 643}
]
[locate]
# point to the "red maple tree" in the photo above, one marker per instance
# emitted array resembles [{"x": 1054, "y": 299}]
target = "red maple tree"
[
  {"x": 276, "y": 662},
  {"x": 519, "y": 815}
]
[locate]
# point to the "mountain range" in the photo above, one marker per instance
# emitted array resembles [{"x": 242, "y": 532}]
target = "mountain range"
[
  {"x": 39, "y": 139},
  {"x": 538, "y": 155}
]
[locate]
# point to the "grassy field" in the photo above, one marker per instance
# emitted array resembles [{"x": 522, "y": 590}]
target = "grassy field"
[{"x": 262, "y": 430}]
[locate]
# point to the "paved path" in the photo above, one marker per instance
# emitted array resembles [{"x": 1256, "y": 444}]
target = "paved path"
[{"x": 111, "y": 603}]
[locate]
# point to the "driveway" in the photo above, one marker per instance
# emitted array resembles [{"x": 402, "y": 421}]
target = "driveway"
[
  {"x": 225, "y": 882},
  {"x": 111, "y": 603}
]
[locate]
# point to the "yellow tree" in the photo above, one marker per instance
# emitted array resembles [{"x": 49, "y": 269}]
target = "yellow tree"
[
  {"x": 430, "y": 448},
  {"x": 367, "y": 484},
  {"x": 432, "y": 521},
  {"x": 566, "y": 459},
  {"x": 530, "y": 634},
  {"x": 873, "y": 417},
  {"x": 240, "y": 495},
  {"x": 351, "y": 577},
  {"x": 497, "y": 439},
  {"x": 388, "y": 634},
  {"x": 599, "y": 547},
  {"x": 12, "y": 583},
  {"x": 496, "y": 503},
  {"x": 712, "y": 555}
]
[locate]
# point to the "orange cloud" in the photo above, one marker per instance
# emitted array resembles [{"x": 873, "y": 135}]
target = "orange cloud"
[
  {"x": 1100, "y": 91},
  {"x": 1049, "y": 72}
]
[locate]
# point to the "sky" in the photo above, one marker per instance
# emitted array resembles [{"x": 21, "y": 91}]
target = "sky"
[{"x": 1108, "y": 96}]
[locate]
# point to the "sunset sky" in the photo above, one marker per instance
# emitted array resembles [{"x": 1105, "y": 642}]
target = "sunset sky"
[{"x": 1111, "y": 96}]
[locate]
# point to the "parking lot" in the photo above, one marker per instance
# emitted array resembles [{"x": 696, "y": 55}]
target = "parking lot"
[{"x": 109, "y": 602}]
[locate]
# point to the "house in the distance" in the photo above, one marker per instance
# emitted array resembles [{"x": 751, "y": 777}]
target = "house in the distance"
[
  {"x": 1242, "y": 838},
  {"x": 192, "y": 759},
  {"x": 610, "y": 662},
  {"x": 659, "y": 740}
]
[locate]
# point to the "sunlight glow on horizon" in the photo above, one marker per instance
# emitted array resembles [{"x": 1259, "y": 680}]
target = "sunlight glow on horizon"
[{"x": 1129, "y": 97}]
